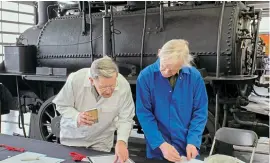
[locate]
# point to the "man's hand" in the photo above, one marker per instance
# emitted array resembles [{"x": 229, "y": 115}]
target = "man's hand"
[
  {"x": 121, "y": 152},
  {"x": 85, "y": 119},
  {"x": 192, "y": 151},
  {"x": 169, "y": 152}
]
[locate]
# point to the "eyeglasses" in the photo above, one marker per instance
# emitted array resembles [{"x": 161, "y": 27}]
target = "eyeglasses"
[{"x": 108, "y": 87}]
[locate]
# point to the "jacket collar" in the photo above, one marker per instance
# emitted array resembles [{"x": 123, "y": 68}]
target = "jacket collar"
[
  {"x": 87, "y": 82},
  {"x": 157, "y": 68}
]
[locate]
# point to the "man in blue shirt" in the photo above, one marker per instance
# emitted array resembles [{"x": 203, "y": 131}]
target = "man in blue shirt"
[{"x": 172, "y": 104}]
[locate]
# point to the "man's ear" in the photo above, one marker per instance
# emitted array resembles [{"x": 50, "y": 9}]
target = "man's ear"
[
  {"x": 158, "y": 51},
  {"x": 92, "y": 81}
]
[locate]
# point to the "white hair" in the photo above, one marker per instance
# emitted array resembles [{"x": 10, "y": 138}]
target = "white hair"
[
  {"x": 176, "y": 49},
  {"x": 104, "y": 67}
]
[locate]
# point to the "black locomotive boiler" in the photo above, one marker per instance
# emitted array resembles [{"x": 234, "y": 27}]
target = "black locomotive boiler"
[{"x": 223, "y": 39}]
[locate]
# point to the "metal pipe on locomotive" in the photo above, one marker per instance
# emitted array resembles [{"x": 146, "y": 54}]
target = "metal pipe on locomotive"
[{"x": 223, "y": 38}]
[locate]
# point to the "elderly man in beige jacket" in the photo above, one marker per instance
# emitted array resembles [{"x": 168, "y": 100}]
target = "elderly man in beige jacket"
[{"x": 103, "y": 88}]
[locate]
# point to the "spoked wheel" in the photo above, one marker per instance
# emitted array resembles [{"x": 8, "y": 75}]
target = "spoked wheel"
[
  {"x": 206, "y": 142},
  {"x": 208, "y": 134},
  {"x": 47, "y": 114}
]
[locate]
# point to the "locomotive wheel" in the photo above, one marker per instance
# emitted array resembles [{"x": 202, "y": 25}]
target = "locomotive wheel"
[
  {"x": 208, "y": 134},
  {"x": 46, "y": 114}
]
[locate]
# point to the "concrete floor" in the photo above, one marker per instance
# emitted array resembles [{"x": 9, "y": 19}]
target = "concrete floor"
[{"x": 9, "y": 126}]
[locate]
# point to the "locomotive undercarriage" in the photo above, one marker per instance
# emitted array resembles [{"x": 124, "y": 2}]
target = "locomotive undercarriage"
[{"x": 228, "y": 86}]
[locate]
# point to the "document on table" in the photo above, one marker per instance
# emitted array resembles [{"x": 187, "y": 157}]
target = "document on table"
[
  {"x": 111, "y": 158},
  {"x": 184, "y": 160},
  {"x": 106, "y": 159},
  {"x": 31, "y": 157}
]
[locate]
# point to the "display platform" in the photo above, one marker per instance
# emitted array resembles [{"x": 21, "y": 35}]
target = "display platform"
[{"x": 52, "y": 149}]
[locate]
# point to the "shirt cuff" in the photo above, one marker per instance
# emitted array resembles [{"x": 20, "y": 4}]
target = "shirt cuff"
[
  {"x": 194, "y": 141},
  {"x": 123, "y": 138}
]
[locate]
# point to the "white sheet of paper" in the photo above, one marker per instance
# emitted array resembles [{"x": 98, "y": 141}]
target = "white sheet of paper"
[
  {"x": 184, "y": 160},
  {"x": 40, "y": 158},
  {"x": 50, "y": 160},
  {"x": 106, "y": 159}
]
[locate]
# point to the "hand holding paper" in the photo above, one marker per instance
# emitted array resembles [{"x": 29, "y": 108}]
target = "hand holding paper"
[
  {"x": 121, "y": 152},
  {"x": 192, "y": 151},
  {"x": 169, "y": 152}
]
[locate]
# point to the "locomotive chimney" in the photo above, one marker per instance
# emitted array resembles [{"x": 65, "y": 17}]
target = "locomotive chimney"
[{"x": 45, "y": 11}]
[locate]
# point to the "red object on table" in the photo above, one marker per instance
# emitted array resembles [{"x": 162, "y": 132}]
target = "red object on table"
[
  {"x": 10, "y": 148},
  {"x": 77, "y": 156}
]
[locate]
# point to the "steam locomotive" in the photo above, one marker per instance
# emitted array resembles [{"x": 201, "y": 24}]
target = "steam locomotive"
[{"x": 223, "y": 39}]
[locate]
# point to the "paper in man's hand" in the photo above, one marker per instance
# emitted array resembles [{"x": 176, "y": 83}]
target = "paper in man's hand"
[{"x": 184, "y": 160}]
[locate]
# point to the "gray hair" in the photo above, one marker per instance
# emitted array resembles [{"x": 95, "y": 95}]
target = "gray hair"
[
  {"x": 176, "y": 49},
  {"x": 104, "y": 67}
]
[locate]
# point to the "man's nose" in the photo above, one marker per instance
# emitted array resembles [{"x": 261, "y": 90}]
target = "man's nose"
[
  {"x": 167, "y": 71},
  {"x": 108, "y": 90}
]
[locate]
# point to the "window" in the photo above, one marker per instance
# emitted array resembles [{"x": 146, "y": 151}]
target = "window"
[
  {"x": 10, "y": 5},
  {"x": 9, "y": 38},
  {"x": 26, "y": 8},
  {"x": 26, "y": 18},
  {"x": 10, "y": 27},
  {"x": 15, "y": 18},
  {"x": 10, "y": 16}
]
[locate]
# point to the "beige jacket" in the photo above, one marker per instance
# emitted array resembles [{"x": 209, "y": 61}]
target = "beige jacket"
[{"x": 114, "y": 113}]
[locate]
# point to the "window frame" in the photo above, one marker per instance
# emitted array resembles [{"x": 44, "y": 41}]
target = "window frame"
[{"x": 18, "y": 23}]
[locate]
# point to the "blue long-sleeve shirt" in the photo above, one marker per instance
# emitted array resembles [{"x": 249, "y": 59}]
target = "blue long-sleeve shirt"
[{"x": 177, "y": 116}]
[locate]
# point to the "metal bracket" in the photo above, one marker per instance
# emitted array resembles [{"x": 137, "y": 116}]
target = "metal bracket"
[{"x": 155, "y": 30}]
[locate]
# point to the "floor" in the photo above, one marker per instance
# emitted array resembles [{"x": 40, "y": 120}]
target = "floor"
[{"x": 10, "y": 126}]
